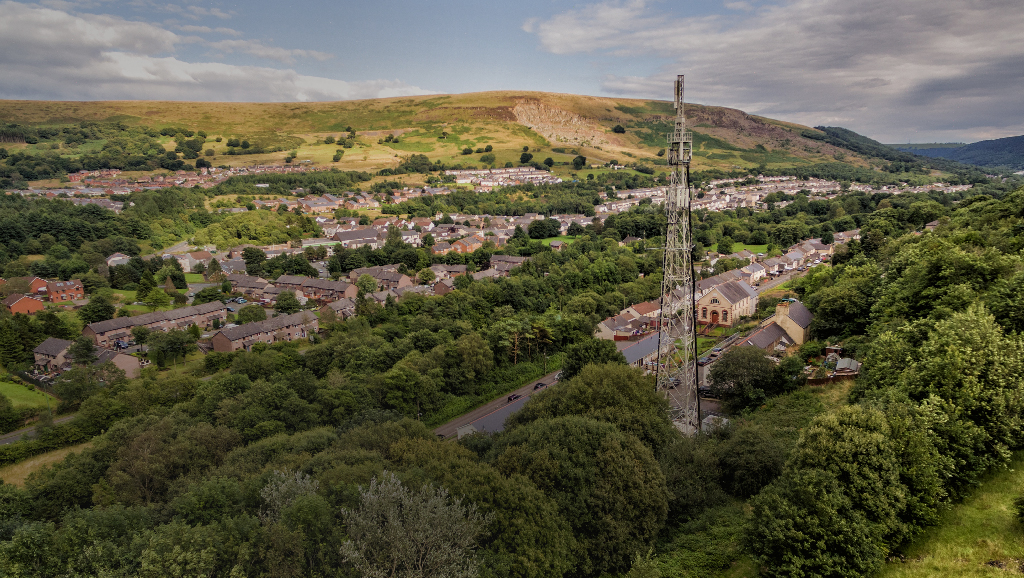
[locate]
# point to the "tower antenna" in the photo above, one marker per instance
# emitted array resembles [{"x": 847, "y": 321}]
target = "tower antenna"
[{"x": 677, "y": 335}]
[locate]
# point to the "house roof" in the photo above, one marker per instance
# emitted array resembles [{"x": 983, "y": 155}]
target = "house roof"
[
  {"x": 736, "y": 291},
  {"x": 800, "y": 314},
  {"x": 267, "y": 326},
  {"x": 766, "y": 336},
  {"x": 154, "y": 317},
  {"x": 647, "y": 307},
  {"x": 342, "y": 304},
  {"x": 640, "y": 349},
  {"x": 52, "y": 346}
]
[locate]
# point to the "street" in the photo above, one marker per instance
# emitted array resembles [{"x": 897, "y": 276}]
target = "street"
[
  {"x": 30, "y": 431},
  {"x": 491, "y": 410}
]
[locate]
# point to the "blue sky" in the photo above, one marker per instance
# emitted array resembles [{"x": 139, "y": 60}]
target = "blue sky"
[{"x": 895, "y": 70}]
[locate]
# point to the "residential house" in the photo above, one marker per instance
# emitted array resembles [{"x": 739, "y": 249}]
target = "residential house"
[
  {"x": 441, "y": 248},
  {"x": 468, "y": 244},
  {"x": 117, "y": 259},
  {"x": 643, "y": 353},
  {"x": 650, "y": 309},
  {"x": 789, "y": 326},
  {"x": 725, "y": 304},
  {"x": 57, "y": 291},
  {"x": 34, "y": 285},
  {"x": 342, "y": 308},
  {"x": 49, "y": 355},
  {"x": 250, "y": 286},
  {"x": 18, "y": 303},
  {"x": 359, "y": 238},
  {"x": 442, "y": 271},
  {"x": 107, "y": 333},
  {"x": 53, "y": 355},
  {"x": 281, "y": 328},
  {"x": 753, "y": 273},
  {"x": 443, "y": 287},
  {"x": 188, "y": 261}
]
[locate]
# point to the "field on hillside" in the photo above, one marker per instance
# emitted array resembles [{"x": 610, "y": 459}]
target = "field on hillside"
[
  {"x": 16, "y": 474},
  {"x": 21, "y": 397},
  {"x": 976, "y": 538},
  {"x": 559, "y": 126}
]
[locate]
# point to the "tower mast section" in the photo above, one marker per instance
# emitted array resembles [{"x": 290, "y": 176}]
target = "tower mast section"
[{"x": 677, "y": 338}]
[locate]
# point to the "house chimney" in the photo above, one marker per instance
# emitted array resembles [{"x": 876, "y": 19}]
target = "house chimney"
[{"x": 782, "y": 309}]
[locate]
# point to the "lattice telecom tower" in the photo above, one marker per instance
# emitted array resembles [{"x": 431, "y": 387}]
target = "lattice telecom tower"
[{"x": 677, "y": 339}]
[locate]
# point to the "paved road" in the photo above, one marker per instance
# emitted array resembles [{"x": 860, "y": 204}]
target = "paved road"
[
  {"x": 175, "y": 248},
  {"x": 491, "y": 415},
  {"x": 10, "y": 438}
]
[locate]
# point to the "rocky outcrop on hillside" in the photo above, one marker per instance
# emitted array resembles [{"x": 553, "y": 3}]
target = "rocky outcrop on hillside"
[{"x": 559, "y": 126}]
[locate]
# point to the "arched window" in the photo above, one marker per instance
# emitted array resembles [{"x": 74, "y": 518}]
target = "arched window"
[
  {"x": 704, "y": 313},
  {"x": 714, "y": 300},
  {"x": 725, "y": 315}
]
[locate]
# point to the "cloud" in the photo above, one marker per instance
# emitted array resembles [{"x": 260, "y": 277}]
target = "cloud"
[
  {"x": 893, "y": 69},
  {"x": 207, "y": 30},
  {"x": 261, "y": 50},
  {"x": 50, "y": 54}
]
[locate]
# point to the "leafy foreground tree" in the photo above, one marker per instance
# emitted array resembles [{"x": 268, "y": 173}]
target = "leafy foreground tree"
[
  {"x": 606, "y": 483},
  {"x": 404, "y": 533}
]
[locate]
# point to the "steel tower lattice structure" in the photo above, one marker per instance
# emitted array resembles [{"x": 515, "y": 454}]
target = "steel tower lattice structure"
[{"x": 677, "y": 339}]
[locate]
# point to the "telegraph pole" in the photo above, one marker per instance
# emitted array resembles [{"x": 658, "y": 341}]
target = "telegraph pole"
[{"x": 677, "y": 337}]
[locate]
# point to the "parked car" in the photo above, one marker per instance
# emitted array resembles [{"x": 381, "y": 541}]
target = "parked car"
[
  {"x": 240, "y": 300},
  {"x": 231, "y": 309}
]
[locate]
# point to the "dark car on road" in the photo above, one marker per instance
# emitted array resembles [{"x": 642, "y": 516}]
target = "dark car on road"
[
  {"x": 539, "y": 385},
  {"x": 514, "y": 397},
  {"x": 703, "y": 361}
]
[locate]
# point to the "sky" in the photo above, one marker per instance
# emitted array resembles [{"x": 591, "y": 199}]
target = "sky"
[{"x": 894, "y": 70}]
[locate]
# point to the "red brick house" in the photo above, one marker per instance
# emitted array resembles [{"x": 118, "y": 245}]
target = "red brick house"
[
  {"x": 18, "y": 303},
  {"x": 57, "y": 291}
]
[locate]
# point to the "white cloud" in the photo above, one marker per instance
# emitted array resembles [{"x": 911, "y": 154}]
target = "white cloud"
[
  {"x": 50, "y": 54},
  {"x": 893, "y": 69},
  {"x": 207, "y": 30},
  {"x": 261, "y": 50}
]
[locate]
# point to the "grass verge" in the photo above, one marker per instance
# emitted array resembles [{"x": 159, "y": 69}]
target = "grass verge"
[
  {"x": 21, "y": 397},
  {"x": 978, "y": 537},
  {"x": 16, "y": 474}
]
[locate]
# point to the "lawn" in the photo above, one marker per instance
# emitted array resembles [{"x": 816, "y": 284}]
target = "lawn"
[
  {"x": 127, "y": 297},
  {"x": 194, "y": 278},
  {"x": 21, "y": 396},
  {"x": 16, "y": 474},
  {"x": 737, "y": 247},
  {"x": 568, "y": 240},
  {"x": 978, "y": 537},
  {"x": 144, "y": 308}
]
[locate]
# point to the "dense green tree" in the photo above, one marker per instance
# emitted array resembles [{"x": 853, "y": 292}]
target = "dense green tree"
[
  {"x": 804, "y": 524},
  {"x": 251, "y": 313},
  {"x": 589, "y": 351},
  {"x": 83, "y": 351},
  {"x": 744, "y": 377},
  {"x": 617, "y": 394},
  {"x": 397, "y": 531},
  {"x": 607, "y": 485},
  {"x": 579, "y": 162},
  {"x": 287, "y": 303},
  {"x": 99, "y": 308}
]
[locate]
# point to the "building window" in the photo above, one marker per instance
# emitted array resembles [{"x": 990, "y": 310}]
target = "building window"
[
  {"x": 704, "y": 313},
  {"x": 725, "y": 315},
  {"x": 714, "y": 300}
]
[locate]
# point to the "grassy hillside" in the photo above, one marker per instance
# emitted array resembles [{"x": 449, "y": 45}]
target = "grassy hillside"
[{"x": 559, "y": 126}]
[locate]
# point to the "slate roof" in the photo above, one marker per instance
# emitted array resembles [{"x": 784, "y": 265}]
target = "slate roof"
[
  {"x": 52, "y": 346},
  {"x": 800, "y": 314},
  {"x": 154, "y": 317},
  {"x": 267, "y": 326},
  {"x": 640, "y": 349},
  {"x": 736, "y": 291},
  {"x": 766, "y": 336}
]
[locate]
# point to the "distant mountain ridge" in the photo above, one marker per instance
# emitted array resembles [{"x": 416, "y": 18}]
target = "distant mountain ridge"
[{"x": 1000, "y": 152}]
